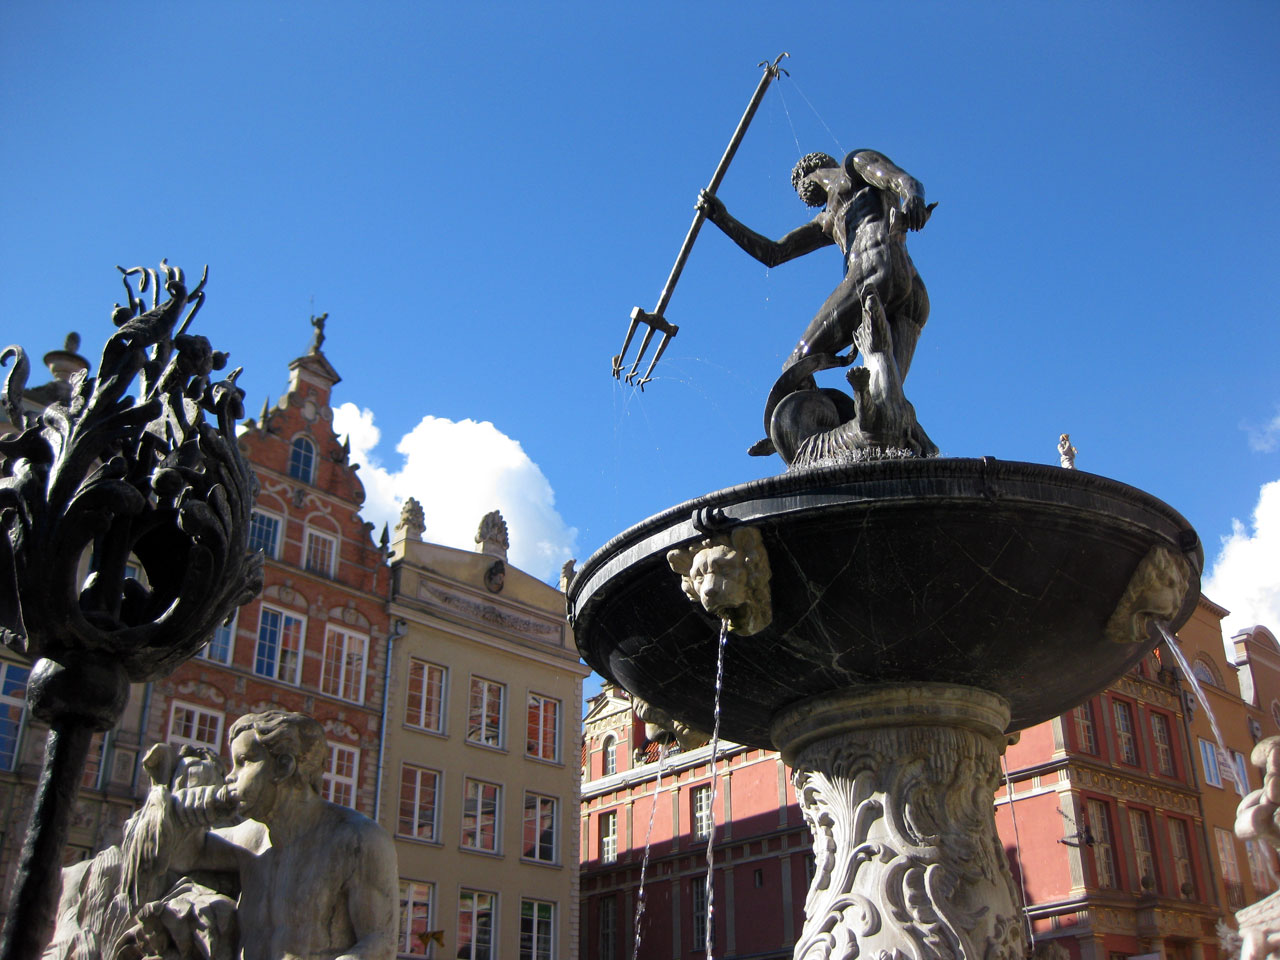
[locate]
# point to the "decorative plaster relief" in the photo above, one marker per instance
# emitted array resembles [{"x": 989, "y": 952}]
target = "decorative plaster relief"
[{"x": 489, "y": 614}]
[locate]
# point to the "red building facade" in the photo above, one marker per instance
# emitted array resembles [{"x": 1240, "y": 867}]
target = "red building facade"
[{"x": 315, "y": 640}]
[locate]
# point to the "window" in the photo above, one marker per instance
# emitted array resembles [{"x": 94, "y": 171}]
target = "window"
[
  {"x": 476, "y": 911},
  {"x": 416, "y": 900},
  {"x": 1140, "y": 827},
  {"x": 222, "y": 643},
  {"x": 189, "y": 724},
  {"x": 343, "y": 671},
  {"x": 537, "y": 929},
  {"x": 1275, "y": 712},
  {"x": 1205, "y": 673},
  {"x": 699, "y": 913},
  {"x": 702, "y": 820},
  {"x": 1124, "y": 732},
  {"x": 13, "y": 710},
  {"x": 1163, "y": 741},
  {"x": 1258, "y": 872},
  {"x": 1225, "y": 841},
  {"x": 1085, "y": 737},
  {"x": 1241, "y": 766},
  {"x": 609, "y": 928},
  {"x": 302, "y": 460},
  {"x": 418, "y": 789},
  {"x": 321, "y": 549},
  {"x": 1103, "y": 855},
  {"x": 1180, "y": 845},
  {"x": 609, "y": 836},
  {"x": 542, "y": 738},
  {"x": 91, "y": 779},
  {"x": 339, "y": 783},
  {"x": 1209, "y": 760},
  {"x": 610, "y": 755},
  {"x": 264, "y": 533},
  {"x": 279, "y": 653},
  {"x": 480, "y": 805},
  {"x": 540, "y": 828},
  {"x": 484, "y": 718},
  {"x": 424, "y": 703}
]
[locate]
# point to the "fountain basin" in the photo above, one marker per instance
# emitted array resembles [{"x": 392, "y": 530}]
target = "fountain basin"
[{"x": 998, "y": 575}]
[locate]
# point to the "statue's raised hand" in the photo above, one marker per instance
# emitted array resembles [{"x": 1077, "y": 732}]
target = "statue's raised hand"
[{"x": 709, "y": 204}]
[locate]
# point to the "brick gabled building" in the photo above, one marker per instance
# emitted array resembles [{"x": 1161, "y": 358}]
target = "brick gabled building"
[{"x": 316, "y": 639}]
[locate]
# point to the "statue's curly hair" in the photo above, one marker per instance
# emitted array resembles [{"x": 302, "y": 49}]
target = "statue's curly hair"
[
  {"x": 811, "y": 193},
  {"x": 292, "y": 735}
]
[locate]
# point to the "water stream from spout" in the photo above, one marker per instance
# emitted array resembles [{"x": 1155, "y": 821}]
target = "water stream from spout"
[
  {"x": 1178, "y": 655},
  {"x": 644, "y": 863},
  {"x": 711, "y": 834}
]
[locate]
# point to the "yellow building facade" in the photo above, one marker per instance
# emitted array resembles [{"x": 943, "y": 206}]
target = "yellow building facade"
[{"x": 480, "y": 767}]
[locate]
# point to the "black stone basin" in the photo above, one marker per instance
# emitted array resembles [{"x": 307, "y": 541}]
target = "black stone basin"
[{"x": 988, "y": 573}]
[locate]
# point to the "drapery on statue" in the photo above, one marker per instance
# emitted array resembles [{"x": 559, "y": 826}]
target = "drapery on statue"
[
  {"x": 867, "y": 206},
  {"x": 314, "y": 879}
]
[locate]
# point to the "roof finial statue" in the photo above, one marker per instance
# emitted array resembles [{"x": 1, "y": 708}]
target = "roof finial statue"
[
  {"x": 411, "y": 525},
  {"x": 1066, "y": 452},
  {"x": 567, "y": 570},
  {"x": 318, "y": 338},
  {"x": 491, "y": 538}
]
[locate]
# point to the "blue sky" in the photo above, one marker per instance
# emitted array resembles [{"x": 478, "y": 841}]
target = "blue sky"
[{"x": 478, "y": 194}]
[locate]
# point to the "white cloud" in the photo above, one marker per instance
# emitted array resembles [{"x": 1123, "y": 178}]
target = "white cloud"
[
  {"x": 459, "y": 471},
  {"x": 1246, "y": 575},
  {"x": 1264, "y": 439}
]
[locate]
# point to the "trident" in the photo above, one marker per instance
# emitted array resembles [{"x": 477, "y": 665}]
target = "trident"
[{"x": 656, "y": 321}]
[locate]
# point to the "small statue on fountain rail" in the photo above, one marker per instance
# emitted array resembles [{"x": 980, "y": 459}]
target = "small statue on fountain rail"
[{"x": 868, "y": 205}]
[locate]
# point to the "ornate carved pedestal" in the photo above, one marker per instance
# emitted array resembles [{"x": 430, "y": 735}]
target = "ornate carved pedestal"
[{"x": 896, "y": 783}]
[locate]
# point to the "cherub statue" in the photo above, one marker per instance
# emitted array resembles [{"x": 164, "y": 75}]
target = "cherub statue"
[
  {"x": 1066, "y": 452},
  {"x": 1258, "y": 818}
]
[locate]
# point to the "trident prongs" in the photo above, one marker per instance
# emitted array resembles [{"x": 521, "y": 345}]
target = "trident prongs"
[{"x": 654, "y": 322}]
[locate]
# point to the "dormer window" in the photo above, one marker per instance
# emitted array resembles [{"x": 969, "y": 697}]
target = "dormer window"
[{"x": 302, "y": 460}]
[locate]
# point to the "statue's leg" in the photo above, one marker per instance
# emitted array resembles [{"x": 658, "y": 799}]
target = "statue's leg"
[
  {"x": 906, "y": 320},
  {"x": 831, "y": 329}
]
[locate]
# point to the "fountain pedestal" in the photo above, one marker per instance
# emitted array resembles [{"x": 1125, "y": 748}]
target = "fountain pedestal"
[{"x": 895, "y": 783}]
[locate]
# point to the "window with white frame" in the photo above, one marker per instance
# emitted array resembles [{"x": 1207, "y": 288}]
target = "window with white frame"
[
  {"x": 699, "y": 913},
  {"x": 1128, "y": 743},
  {"x": 540, "y": 832},
  {"x": 342, "y": 674},
  {"x": 477, "y": 918},
  {"x": 610, "y": 755},
  {"x": 1209, "y": 760},
  {"x": 609, "y": 836},
  {"x": 1085, "y": 736},
  {"x": 339, "y": 783},
  {"x": 195, "y": 725},
  {"x": 537, "y": 930},
  {"x": 319, "y": 553},
  {"x": 302, "y": 460},
  {"x": 481, "y": 805},
  {"x": 1180, "y": 846},
  {"x": 222, "y": 644},
  {"x": 416, "y": 902},
  {"x": 1226, "y": 843},
  {"x": 1103, "y": 846},
  {"x": 424, "y": 701},
  {"x": 279, "y": 652},
  {"x": 609, "y": 927},
  {"x": 13, "y": 711},
  {"x": 1162, "y": 737},
  {"x": 542, "y": 738},
  {"x": 1144, "y": 849},
  {"x": 484, "y": 713},
  {"x": 264, "y": 533},
  {"x": 700, "y": 798},
  {"x": 419, "y": 790},
  {"x": 1241, "y": 766}
]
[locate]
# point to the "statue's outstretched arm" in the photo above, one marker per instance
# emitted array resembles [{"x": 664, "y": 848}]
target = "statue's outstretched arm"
[
  {"x": 879, "y": 171},
  {"x": 797, "y": 243}
]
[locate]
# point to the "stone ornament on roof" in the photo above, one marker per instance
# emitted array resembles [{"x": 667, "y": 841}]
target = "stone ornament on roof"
[
  {"x": 412, "y": 525},
  {"x": 491, "y": 538},
  {"x": 318, "y": 339}
]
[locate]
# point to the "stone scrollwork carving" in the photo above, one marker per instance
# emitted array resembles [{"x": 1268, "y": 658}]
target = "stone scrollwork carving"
[
  {"x": 897, "y": 797},
  {"x": 728, "y": 574},
  {"x": 662, "y": 727},
  {"x": 1155, "y": 593}
]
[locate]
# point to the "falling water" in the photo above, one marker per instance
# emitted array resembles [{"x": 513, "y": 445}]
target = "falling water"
[
  {"x": 1172, "y": 644},
  {"x": 1017, "y": 845},
  {"x": 644, "y": 863},
  {"x": 715, "y": 746}
]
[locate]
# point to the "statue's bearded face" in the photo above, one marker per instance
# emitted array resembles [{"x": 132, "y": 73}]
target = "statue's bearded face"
[{"x": 252, "y": 778}]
